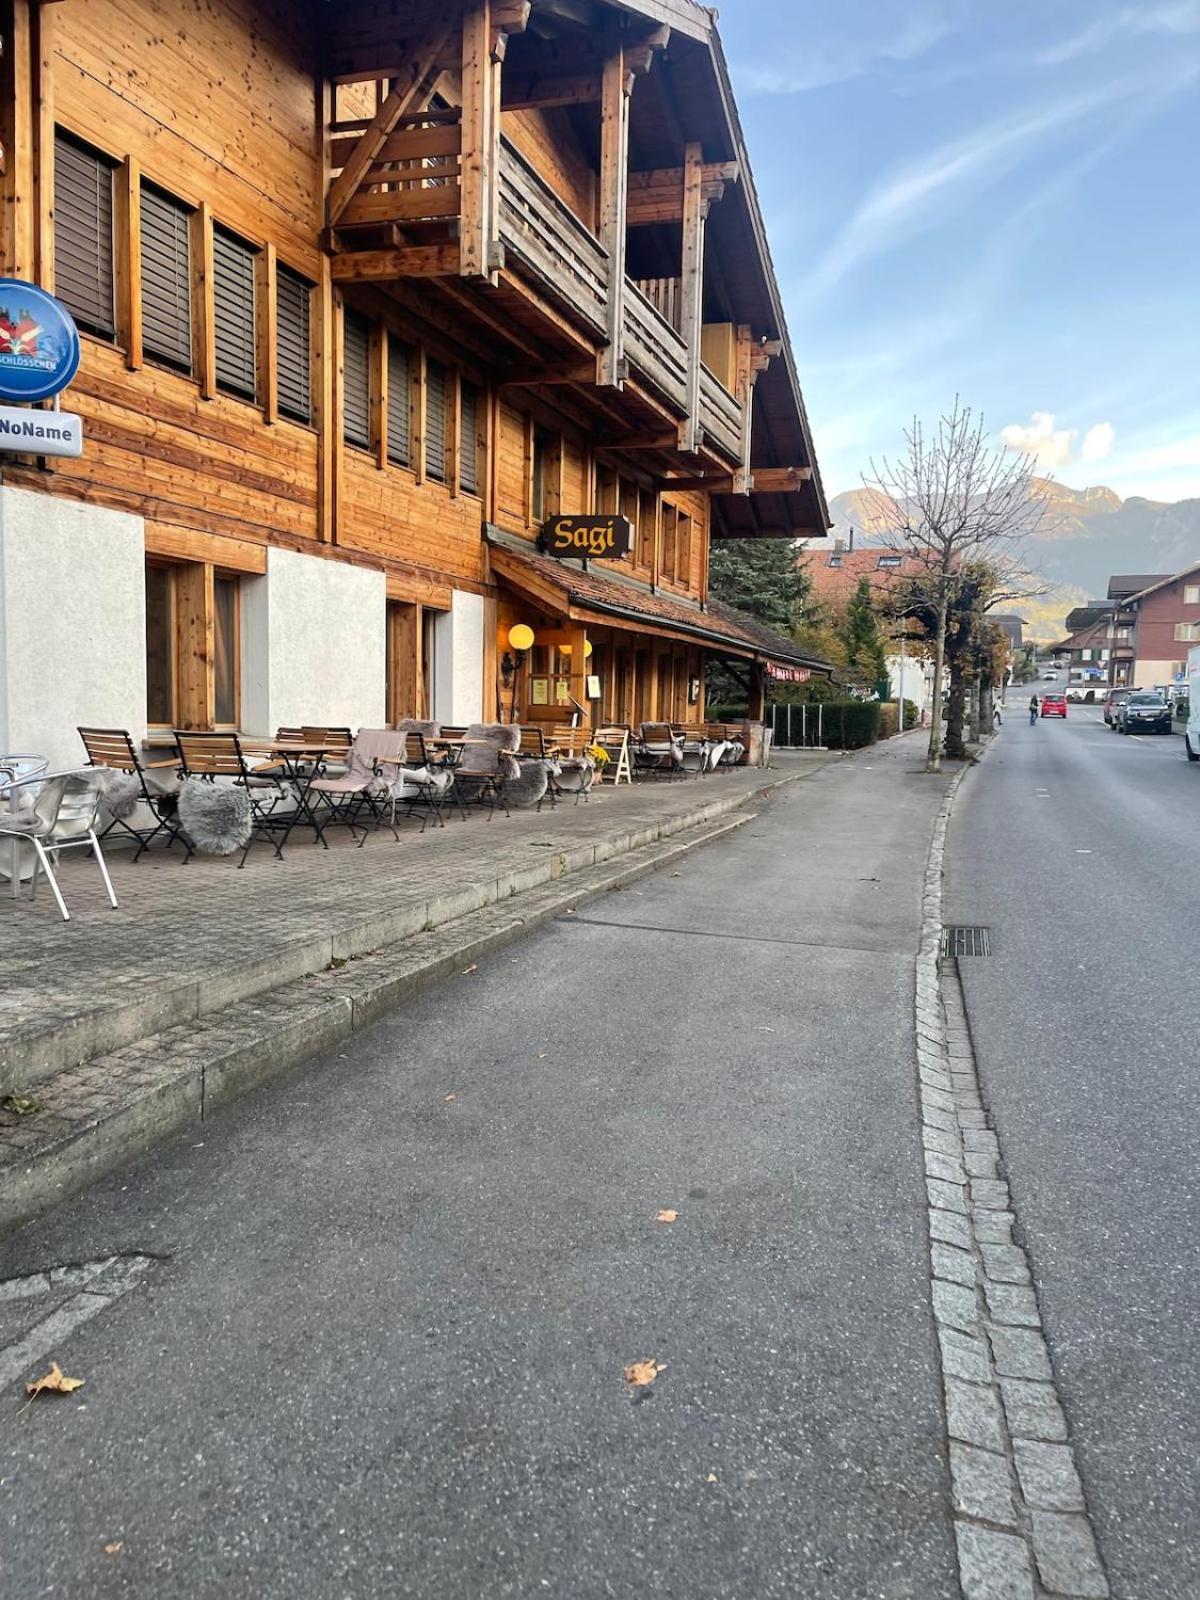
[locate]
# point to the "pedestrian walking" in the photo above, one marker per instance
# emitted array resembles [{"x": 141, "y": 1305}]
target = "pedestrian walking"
[
  {"x": 1033, "y": 710},
  {"x": 997, "y": 719}
]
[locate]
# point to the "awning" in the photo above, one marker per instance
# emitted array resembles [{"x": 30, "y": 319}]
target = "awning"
[{"x": 606, "y": 600}]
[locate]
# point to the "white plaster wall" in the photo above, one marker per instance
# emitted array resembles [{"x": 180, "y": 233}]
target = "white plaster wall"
[
  {"x": 72, "y": 623},
  {"x": 458, "y": 660},
  {"x": 313, "y": 644}
]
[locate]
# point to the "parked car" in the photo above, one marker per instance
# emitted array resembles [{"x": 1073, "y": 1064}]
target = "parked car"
[
  {"x": 1054, "y": 705},
  {"x": 1191, "y": 733},
  {"x": 1116, "y": 699},
  {"x": 1050, "y": 673},
  {"x": 1144, "y": 711}
]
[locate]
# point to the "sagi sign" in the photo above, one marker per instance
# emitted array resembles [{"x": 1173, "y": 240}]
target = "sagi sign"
[
  {"x": 39, "y": 355},
  {"x": 598, "y": 538}
]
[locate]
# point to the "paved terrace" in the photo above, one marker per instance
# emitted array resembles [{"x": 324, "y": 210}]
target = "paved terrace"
[{"x": 190, "y": 940}]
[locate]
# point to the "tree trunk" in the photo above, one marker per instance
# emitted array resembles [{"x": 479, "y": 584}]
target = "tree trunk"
[
  {"x": 987, "y": 696},
  {"x": 933, "y": 762},
  {"x": 956, "y": 707},
  {"x": 974, "y": 724}
]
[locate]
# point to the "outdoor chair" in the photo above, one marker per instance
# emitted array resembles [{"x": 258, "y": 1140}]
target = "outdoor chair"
[
  {"x": 488, "y": 760},
  {"x": 657, "y": 753},
  {"x": 207, "y": 757},
  {"x": 62, "y": 816},
  {"x": 533, "y": 743},
  {"x": 694, "y": 745},
  {"x": 371, "y": 781},
  {"x": 113, "y": 748},
  {"x": 575, "y": 765},
  {"x": 422, "y": 781},
  {"x": 614, "y": 740}
]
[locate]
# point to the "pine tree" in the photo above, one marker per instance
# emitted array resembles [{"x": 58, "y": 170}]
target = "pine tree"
[
  {"x": 860, "y": 634},
  {"x": 761, "y": 577}
]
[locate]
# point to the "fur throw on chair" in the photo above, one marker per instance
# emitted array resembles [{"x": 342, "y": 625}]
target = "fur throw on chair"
[
  {"x": 575, "y": 775},
  {"x": 119, "y": 792},
  {"x": 215, "y": 817},
  {"x": 528, "y": 784},
  {"x": 427, "y": 730}
]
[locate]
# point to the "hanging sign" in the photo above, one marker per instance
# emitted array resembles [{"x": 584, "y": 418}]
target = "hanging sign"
[
  {"x": 39, "y": 343},
  {"x": 782, "y": 674},
  {"x": 599, "y": 538},
  {"x": 40, "y": 433}
]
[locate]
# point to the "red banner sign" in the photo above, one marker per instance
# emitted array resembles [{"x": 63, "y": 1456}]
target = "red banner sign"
[{"x": 787, "y": 674}]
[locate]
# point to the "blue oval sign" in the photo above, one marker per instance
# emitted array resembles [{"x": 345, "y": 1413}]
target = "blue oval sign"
[{"x": 39, "y": 343}]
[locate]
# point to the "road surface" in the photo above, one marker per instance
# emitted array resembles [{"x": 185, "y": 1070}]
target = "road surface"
[{"x": 1078, "y": 848}]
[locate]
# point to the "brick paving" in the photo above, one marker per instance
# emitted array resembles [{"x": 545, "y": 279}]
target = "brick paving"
[{"x": 186, "y": 938}]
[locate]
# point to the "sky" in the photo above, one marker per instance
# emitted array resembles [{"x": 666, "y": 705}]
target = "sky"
[{"x": 996, "y": 201}]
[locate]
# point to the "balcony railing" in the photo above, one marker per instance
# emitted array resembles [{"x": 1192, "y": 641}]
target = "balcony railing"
[
  {"x": 720, "y": 415},
  {"x": 549, "y": 241}
]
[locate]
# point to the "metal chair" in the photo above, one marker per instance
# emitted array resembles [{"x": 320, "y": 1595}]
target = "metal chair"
[
  {"x": 62, "y": 817},
  {"x": 112, "y": 747}
]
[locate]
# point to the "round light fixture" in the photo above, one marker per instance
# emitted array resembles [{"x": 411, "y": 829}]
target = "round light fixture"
[{"x": 520, "y": 636}]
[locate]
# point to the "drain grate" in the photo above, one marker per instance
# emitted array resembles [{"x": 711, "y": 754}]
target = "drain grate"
[{"x": 962, "y": 941}]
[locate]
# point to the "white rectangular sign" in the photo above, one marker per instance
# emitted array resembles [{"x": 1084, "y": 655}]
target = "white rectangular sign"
[{"x": 40, "y": 433}]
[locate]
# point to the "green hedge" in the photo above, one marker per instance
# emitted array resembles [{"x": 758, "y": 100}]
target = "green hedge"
[{"x": 850, "y": 724}]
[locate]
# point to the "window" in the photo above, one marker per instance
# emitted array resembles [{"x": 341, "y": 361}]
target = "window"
[
  {"x": 179, "y": 598},
  {"x": 835, "y": 561},
  {"x": 541, "y": 454},
  {"x": 670, "y": 530},
  {"x": 166, "y": 279},
  {"x": 83, "y": 235},
  {"x": 606, "y": 490},
  {"x": 356, "y": 380},
  {"x": 399, "y": 404},
  {"x": 890, "y": 561},
  {"x": 684, "y": 548},
  {"x": 1187, "y": 632},
  {"x": 233, "y": 307},
  {"x": 292, "y": 347},
  {"x": 468, "y": 435},
  {"x": 435, "y": 420},
  {"x": 1191, "y": 594}
]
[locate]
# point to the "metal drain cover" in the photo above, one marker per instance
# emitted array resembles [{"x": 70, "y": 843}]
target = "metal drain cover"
[{"x": 964, "y": 941}]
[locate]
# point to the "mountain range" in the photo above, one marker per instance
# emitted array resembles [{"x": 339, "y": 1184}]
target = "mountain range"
[{"x": 1086, "y": 535}]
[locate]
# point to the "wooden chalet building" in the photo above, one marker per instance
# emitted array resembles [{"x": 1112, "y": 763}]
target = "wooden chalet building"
[{"x": 368, "y": 291}]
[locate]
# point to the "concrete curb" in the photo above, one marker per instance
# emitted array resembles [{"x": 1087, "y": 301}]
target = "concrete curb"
[
  {"x": 101, "y": 1114},
  {"x": 1020, "y": 1521}
]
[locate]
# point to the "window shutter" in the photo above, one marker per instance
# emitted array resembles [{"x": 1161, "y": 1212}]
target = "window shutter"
[
  {"x": 166, "y": 279},
  {"x": 233, "y": 304},
  {"x": 356, "y": 383},
  {"x": 399, "y": 406},
  {"x": 292, "y": 347},
  {"x": 435, "y": 420},
  {"x": 83, "y": 235},
  {"x": 468, "y": 448}
]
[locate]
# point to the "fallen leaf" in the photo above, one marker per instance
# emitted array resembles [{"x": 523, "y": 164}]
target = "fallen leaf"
[
  {"x": 450, "y": 1097},
  {"x": 541, "y": 1055},
  {"x": 640, "y": 1374},
  {"x": 21, "y": 1105},
  {"x": 115, "y": 1548},
  {"x": 677, "y": 874},
  {"x": 53, "y": 1382},
  {"x": 466, "y": 971},
  {"x": 666, "y": 1216},
  {"x": 712, "y": 1478}
]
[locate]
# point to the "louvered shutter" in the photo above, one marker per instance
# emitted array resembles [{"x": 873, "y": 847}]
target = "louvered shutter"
[
  {"x": 356, "y": 383},
  {"x": 233, "y": 306},
  {"x": 166, "y": 279},
  {"x": 399, "y": 406},
  {"x": 292, "y": 347},
  {"x": 435, "y": 420},
  {"x": 468, "y": 447},
  {"x": 83, "y": 235}
]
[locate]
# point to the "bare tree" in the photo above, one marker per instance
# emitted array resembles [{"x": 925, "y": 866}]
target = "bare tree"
[{"x": 955, "y": 504}]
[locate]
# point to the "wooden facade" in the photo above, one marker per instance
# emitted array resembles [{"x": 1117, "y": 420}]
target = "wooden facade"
[{"x": 433, "y": 271}]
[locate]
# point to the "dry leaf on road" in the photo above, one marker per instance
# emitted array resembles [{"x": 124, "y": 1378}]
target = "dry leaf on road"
[
  {"x": 53, "y": 1382},
  {"x": 451, "y": 1097},
  {"x": 641, "y": 1373},
  {"x": 467, "y": 971},
  {"x": 666, "y": 1216},
  {"x": 115, "y": 1548},
  {"x": 712, "y": 1478}
]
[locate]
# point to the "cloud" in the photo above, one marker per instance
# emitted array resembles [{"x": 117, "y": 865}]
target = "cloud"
[
  {"x": 914, "y": 32},
  {"x": 1049, "y": 446},
  {"x": 1171, "y": 17},
  {"x": 1098, "y": 442}
]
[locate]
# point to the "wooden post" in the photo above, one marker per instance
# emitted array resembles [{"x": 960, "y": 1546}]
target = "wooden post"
[
  {"x": 614, "y": 184},
  {"x": 758, "y": 692},
  {"x": 416, "y": 368},
  {"x": 204, "y": 317},
  {"x": 265, "y": 280},
  {"x": 128, "y": 260},
  {"x": 42, "y": 63},
  {"x": 692, "y": 285},
  {"x": 577, "y": 678},
  {"x": 478, "y": 111},
  {"x": 744, "y": 394},
  {"x": 324, "y": 341},
  {"x": 377, "y": 374},
  {"x": 18, "y": 234},
  {"x": 196, "y": 667},
  {"x": 453, "y": 430}
]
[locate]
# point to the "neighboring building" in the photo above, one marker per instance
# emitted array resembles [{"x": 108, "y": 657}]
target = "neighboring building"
[
  {"x": 1086, "y": 648},
  {"x": 1014, "y": 629},
  {"x": 365, "y": 298},
  {"x": 1166, "y": 623},
  {"x": 835, "y": 573},
  {"x": 1122, "y": 620}
]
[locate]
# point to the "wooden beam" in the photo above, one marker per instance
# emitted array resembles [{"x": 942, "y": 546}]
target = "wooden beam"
[
  {"x": 44, "y": 24},
  {"x": 477, "y": 173},
  {"x": 530, "y": 377},
  {"x": 743, "y": 389},
  {"x": 511, "y": 16},
  {"x": 641, "y": 441},
  {"x": 614, "y": 178},
  {"x": 266, "y": 279},
  {"x": 716, "y": 483},
  {"x": 411, "y": 261},
  {"x": 204, "y": 315},
  {"x": 658, "y": 196},
  {"x": 400, "y": 205},
  {"x": 540, "y": 90},
  {"x": 692, "y": 286},
  {"x": 127, "y": 259},
  {"x": 324, "y": 358},
  {"x": 18, "y": 227},
  {"x": 400, "y": 99},
  {"x": 407, "y": 144},
  {"x": 377, "y": 377},
  {"x": 778, "y": 480}
]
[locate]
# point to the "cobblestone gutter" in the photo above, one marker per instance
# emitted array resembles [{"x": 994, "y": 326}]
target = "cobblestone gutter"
[{"x": 1020, "y": 1517}]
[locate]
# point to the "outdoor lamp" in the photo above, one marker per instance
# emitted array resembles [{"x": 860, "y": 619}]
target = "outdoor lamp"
[
  {"x": 520, "y": 639},
  {"x": 565, "y": 649}
]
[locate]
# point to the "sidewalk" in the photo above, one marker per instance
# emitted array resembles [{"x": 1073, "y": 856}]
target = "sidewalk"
[
  {"x": 123, "y": 1025},
  {"x": 390, "y": 1298}
]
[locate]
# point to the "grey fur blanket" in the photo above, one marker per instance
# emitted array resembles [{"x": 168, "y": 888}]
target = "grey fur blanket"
[{"x": 214, "y": 816}]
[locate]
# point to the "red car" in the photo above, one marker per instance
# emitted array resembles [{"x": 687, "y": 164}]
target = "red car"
[{"x": 1054, "y": 705}]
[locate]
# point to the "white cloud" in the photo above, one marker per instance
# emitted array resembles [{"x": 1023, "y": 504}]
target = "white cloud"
[
  {"x": 1172, "y": 17},
  {"x": 1098, "y": 442},
  {"x": 914, "y": 32},
  {"x": 1049, "y": 446}
]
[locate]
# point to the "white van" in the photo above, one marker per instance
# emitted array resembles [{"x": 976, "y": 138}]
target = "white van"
[{"x": 1191, "y": 733}]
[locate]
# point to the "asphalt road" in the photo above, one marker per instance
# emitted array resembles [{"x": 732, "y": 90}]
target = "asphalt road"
[
  {"x": 1077, "y": 847},
  {"x": 383, "y": 1351}
]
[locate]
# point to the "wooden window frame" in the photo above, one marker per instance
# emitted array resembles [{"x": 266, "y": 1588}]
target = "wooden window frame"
[
  {"x": 282, "y": 413},
  {"x": 257, "y": 276},
  {"x": 193, "y": 660},
  {"x": 108, "y": 336}
]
